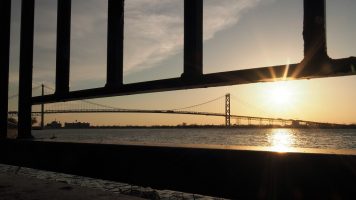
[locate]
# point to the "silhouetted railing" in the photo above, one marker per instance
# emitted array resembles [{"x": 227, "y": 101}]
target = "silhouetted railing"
[
  {"x": 222, "y": 172},
  {"x": 316, "y": 62}
]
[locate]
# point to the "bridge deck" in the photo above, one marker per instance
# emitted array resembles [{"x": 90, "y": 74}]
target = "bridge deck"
[{"x": 243, "y": 117}]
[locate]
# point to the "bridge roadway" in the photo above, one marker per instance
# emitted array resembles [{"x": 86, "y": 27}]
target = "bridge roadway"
[{"x": 270, "y": 120}]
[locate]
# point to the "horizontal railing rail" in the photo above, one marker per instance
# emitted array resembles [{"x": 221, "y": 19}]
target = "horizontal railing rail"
[{"x": 340, "y": 67}]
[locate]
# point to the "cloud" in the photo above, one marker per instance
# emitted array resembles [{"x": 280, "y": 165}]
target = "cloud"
[
  {"x": 153, "y": 33},
  {"x": 220, "y": 15},
  {"x": 154, "y": 29}
]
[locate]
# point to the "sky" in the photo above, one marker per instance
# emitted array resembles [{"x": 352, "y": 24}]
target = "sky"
[{"x": 238, "y": 34}]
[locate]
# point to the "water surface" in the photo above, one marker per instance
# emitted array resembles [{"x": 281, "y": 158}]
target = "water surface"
[{"x": 275, "y": 139}]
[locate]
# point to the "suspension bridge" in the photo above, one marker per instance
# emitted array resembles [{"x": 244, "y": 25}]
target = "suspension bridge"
[{"x": 85, "y": 106}]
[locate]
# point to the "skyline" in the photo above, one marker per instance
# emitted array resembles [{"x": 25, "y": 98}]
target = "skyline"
[{"x": 244, "y": 29}]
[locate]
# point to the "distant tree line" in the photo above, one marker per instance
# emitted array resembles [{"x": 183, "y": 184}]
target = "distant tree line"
[{"x": 14, "y": 120}]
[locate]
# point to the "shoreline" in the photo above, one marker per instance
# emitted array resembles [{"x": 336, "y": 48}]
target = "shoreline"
[{"x": 205, "y": 127}]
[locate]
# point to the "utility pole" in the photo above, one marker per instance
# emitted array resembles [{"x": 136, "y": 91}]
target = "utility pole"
[{"x": 227, "y": 110}]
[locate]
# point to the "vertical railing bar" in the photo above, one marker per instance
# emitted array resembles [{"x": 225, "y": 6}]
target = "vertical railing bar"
[
  {"x": 63, "y": 46},
  {"x": 115, "y": 43},
  {"x": 26, "y": 68},
  {"x": 314, "y": 31},
  {"x": 193, "y": 39},
  {"x": 5, "y": 22}
]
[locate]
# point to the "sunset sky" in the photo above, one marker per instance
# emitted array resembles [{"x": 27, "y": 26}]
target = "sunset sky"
[{"x": 238, "y": 34}]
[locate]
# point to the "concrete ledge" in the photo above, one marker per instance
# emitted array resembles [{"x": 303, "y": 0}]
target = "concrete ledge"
[
  {"x": 19, "y": 187},
  {"x": 225, "y": 173}
]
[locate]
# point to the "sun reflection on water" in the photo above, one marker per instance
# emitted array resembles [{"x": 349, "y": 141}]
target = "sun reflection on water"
[{"x": 281, "y": 140}]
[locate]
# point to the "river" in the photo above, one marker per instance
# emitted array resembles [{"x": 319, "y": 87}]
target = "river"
[{"x": 278, "y": 139}]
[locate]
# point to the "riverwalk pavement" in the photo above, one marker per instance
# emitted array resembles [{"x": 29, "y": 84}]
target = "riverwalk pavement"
[{"x": 13, "y": 186}]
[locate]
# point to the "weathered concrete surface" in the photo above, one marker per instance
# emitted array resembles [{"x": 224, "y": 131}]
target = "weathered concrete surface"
[
  {"x": 25, "y": 188},
  {"x": 224, "y": 172}
]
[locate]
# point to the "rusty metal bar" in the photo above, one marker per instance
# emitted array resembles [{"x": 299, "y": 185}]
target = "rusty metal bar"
[
  {"x": 193, "y": 39},
  {"x": 314, "y": 32},
  {"x": 5, "y": 21},
  {"x": 315, "y": 59},
  {"x": 341, "y": 67},
  {"x": 63, "y": 46},
  {"x": 115, "y": 44},
  {"x": 26, "y": 68}
]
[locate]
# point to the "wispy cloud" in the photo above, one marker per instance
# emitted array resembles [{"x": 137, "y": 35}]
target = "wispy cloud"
[
  {"x": 153, "y": 33},
  {"x": 154, "y": 29}
]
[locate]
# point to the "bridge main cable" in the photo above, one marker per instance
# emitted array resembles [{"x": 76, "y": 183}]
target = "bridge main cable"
[{"x": 200, "y": 104}]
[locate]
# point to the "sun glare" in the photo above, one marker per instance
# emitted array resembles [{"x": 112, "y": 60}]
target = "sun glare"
[
  {"x": 280, "y": 94},
  {"x": 281, "y": 140}
]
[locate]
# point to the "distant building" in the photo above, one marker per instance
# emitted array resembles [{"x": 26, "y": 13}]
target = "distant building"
[
  {"x": 54, "y": 124},
  {"x": 77, "y": 125},
  {"x": 295, "y": 123}
]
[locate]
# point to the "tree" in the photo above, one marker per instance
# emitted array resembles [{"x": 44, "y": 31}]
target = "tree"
[{"x": 12, "y": 120}]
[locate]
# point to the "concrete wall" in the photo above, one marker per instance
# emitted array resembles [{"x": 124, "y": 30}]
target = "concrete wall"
[{"x": 216, "y": 172}]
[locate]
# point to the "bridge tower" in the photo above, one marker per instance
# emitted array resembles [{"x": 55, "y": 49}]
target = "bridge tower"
[
  {"x": 227, "y": 110},
  {"x": 42, "y": 109}
]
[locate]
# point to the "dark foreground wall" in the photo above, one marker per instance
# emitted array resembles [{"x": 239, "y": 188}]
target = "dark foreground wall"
[{"x": 217, "y": 172}]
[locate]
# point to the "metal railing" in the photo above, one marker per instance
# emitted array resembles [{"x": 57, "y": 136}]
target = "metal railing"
[{"x": 316, "y": 62}]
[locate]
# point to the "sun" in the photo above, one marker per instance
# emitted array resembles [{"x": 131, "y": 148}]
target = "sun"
[{"x": 280, "y": 94}]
